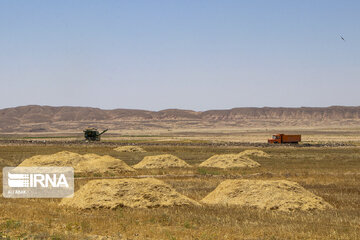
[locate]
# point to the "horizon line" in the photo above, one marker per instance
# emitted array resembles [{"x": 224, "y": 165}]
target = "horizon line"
[{"x": 180, "y": 109}]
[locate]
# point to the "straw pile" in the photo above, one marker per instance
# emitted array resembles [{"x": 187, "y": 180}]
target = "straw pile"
[
  {"x": 254, "y": 152},
  {"x": 133, "y": 193},
  {"x": 229, "y": 161},
  {"x": 161, "y": 161},
  {"x": 129, "y": 149},
  {"x": 279, "y": 195},
  {"x": 88, "y": 163},
  {"x": 102, "y": 164}
]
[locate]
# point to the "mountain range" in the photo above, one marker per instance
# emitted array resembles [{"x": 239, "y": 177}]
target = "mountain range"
[{"x": 35, "y": 118}]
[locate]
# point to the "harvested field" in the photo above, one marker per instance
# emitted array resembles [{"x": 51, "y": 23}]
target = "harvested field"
[
  {"x": 88, "y": 163},
  {"x": 133, "y": 193},
  {"x": 331, "y": 173},
  {"x": 279, "y": 195},
  {"x": 161, "y": 161},
  {"x": 229, "y": 161},
  {"x": 129, "y": 149}
]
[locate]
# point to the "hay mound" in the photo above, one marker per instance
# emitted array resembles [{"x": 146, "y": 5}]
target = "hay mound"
[
  {"x": 229, "y": 161},
  {"x": 161, "y": 161},
  {"x": 60, "y": 159},
  {"x": 88, "y": 163},
  {"x": 129, "y": 149},
  {"x": 254, "y": 152},
  {"x": 279, "y": 195},
  {"x": 102, "y": 164},
  {"x": 133, "y": 193}
]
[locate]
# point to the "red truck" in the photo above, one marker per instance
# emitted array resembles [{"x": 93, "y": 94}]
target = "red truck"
[{"x": 282, "y": 138}]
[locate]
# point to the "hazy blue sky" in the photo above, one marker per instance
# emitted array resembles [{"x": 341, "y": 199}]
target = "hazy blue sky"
[{"x": 179, "y": 54}]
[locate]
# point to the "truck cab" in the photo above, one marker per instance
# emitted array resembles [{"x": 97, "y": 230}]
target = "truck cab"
[{"x": 275, "y": 139}]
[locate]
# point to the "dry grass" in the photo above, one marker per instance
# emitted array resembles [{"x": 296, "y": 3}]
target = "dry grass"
[{"x": 331, "y": 173}]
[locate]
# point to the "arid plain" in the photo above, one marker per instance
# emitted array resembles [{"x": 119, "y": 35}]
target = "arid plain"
[{"x": 305, "y": 191}]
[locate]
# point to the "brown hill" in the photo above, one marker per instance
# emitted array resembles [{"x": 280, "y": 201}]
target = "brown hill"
[{"x": 35, "y": 118}]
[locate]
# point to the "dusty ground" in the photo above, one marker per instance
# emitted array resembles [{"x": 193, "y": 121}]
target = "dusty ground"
[
  {"x": 236, "y": 134},
  {"x": 333, "y": 173}
]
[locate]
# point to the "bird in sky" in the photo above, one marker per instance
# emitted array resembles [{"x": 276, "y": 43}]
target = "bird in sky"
[{"x": 342, "y": 38}]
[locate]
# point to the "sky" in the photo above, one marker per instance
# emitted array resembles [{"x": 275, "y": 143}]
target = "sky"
[{"x": 184, "y": 54}]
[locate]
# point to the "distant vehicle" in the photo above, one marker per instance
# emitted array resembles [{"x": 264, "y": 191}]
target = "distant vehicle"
[
  {"x": 282, "y": 138},
  {"x": 92, "y": 134}
]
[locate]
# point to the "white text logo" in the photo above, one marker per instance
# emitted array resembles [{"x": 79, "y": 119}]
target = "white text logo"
[{"x": 37, "y": 180}]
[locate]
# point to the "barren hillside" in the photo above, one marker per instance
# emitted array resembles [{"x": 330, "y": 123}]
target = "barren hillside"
[{"x": 35, "y": 118}]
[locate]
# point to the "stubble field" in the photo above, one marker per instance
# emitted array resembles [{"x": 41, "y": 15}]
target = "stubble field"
[{"x": 332, "y": 173}]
